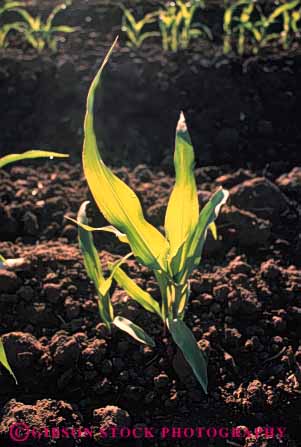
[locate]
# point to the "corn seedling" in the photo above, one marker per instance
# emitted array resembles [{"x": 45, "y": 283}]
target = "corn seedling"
[
  {"x": 245, "y": 21},
  {"x": 8, "y": 6},
  {"x": 40, "y": 34},
  {"x": 134, "y": 29},
  {"x": 290, "y": 19},
  {"x": 11, "y": 158},
  {"x": 240, "y": 24},
  {"x": 5, "y": 31},
  {"x": 172, "y": 257},
  {"x": 6, "y": 28},
  {"x": 177, "y": 27}
]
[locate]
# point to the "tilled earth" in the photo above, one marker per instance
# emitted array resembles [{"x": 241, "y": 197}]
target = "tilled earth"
[{"x": 245, "y": 311}]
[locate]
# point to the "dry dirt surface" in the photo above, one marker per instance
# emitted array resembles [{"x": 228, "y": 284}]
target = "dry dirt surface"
[{"x": 245, "y": 311}]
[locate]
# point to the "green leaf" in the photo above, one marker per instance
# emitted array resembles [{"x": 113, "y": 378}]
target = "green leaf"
[
  {"x": 93, "y": 267},
  {"x": 2, "y": 262},
  {"x": 183, "y": 207},
  {"x": 118, "y": 203},
  {"x": 134, "y": 291},
  {"x": 213, "y": 229},
  {"x": 109, "y": 229},
  {"x": 4, "y": 361},
  {"x": 207, "y": 216},
  {"x": 53, "y": 14},
  {"x": 134, "y": 331},
  {"x": 10, "y": 5},
  {"x": 287, "y": 6},
  {"x": 184, "y": 339},
  {"x": 88, "y": 249},
  {"x": 11, "y": 158},
  {"x": 192, "y": 251},
  {"x": 62, "y": 29}
]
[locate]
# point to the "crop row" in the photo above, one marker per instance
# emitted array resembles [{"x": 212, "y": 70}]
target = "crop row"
[{"x": 247, "y": 27}]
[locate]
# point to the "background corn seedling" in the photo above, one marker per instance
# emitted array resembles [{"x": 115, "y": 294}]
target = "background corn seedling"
[
  {"x": 246, "y": 23},
  {"x": 177, "y": 27},
  {"x": 11, "y": 158},
  {"x": 171, "y": 257},
  {"x": 35, "y": 31},
  {"x": 6, "y": 28},
  {"x": 134, "y": 29}
]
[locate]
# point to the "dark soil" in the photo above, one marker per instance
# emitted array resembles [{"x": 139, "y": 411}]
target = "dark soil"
[
  {"x": 244, "y": 310},
  {"x": 241, "y": 111}
]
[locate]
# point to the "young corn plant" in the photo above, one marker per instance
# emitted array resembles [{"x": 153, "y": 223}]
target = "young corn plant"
[
  {"x": 134, "y": 29},
  {"x": 172, "y": 257},
  {"x": 290, "y": 16},
  {"x": 177, "y": 27},
  {"x": 40, "y": 34},
  {"x": 239, "y": 24},
  {"x": 7, "y": 159},
  {"x": 5, "y": 31},
  {"x": 246, "y": 22},
  {"x": 6, "y": 28}
]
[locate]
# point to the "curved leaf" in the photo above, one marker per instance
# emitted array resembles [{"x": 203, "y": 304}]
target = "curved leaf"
[
  {"x": 183, "y": 207},
  {"x": 93, "y": 268},
  {"x": 134, "y": 291},
  {"x": 109, "y": 229},
  {"x": 184, "y": 339},
  {"x": 4, "y": 361},
  {"x": 11, "y": 158},
  {"x": 88, "y": 249},
  {"x": 118, "y": 203},
  {"x": 192, "y": 251},
  {"x": 134, "y": 331}
]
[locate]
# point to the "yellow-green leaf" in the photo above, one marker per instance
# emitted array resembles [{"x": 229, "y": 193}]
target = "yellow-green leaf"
[
  {"x": 4, "y": 361},
  {"x": 11, "y": 158},
  {"x": 93, "y": 268},
  {"x": 207, "y": 216},
  {"x": 134, "y": 331},
  {"x": 183, "y": 207},
  {"x": 88, "y": 249},
  {"x": 109, "y": 229},
  {"x": 118, "y": 203},
  {"x": 213, "y": 229},
  {"x": 184, "y": 339},
  {"x": 134, "y": 291}
]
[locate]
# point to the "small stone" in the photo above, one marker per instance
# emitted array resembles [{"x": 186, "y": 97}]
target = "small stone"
[
  {"x": 205, "y": 299},
  {"x": 161, "y": 381},
  {"x": 67, "y": 352},
  {"x": 31, "y": 225},
  {"x": 221, "y": 292},
  {"x": 70, "y": 232},
  {"x": 26, "y": 293},
  {"x": 9, "y": 282},
  {"x": 110, "y": 417},
  {"x": 279, "y": 323},
  {"x": 52, "y": 292},
  {"x": 95, "y": 352}
]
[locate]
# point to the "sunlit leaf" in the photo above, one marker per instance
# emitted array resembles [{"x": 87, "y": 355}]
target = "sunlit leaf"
[
  {"x": 184, "y": 339},
  {"x": 93, "y": 267},
  {"x": 133, "y": 330},
  {"x": 4, "y": 361},
  {"x": 118, "y": 203},
  {"x": 134, "y": 291},
  {"x": 207, "y": 216},
  {"x": 190, "y": 253},
  {"x": 88, "y": 249},
  {"x": 183, "y": 207},
  {"x": 11, "y": 158},
  {"x": 108, "y": 229}
]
